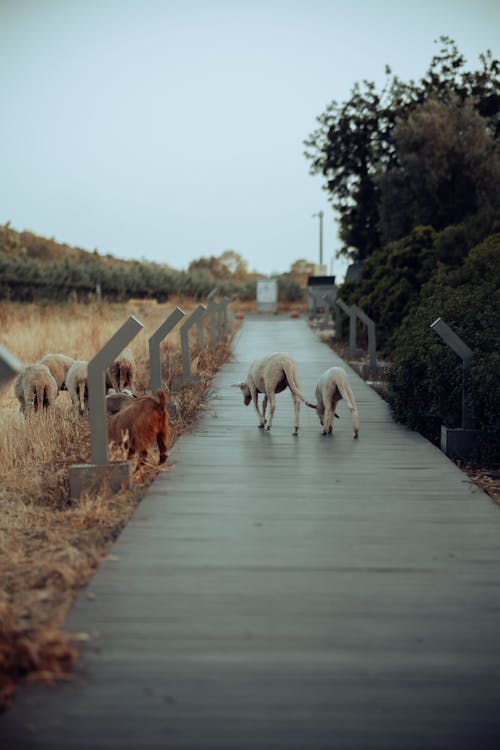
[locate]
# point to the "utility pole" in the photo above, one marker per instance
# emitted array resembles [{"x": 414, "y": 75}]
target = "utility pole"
[{"x": 320, "y": 215}]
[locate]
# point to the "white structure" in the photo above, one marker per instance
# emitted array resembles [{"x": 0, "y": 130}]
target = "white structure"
[{"x": 267, "y": 295}]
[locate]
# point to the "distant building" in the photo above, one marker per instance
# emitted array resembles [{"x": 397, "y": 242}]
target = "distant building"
[
  {"x": 267, "y": 295},
  {"x": 321, "y": 294}
]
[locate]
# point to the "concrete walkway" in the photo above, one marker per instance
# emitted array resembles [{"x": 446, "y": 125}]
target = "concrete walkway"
[{"x": 293, "y": 593}]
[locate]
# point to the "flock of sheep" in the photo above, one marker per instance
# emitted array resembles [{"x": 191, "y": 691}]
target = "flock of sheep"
[
  {"x": 136, "y": 422},
  {"x": 38, "y": 385}
]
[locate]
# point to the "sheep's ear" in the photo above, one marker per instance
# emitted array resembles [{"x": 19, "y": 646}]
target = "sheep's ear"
[
  {"x": 311, "y": 406},
  {"x": 237, "y": 385}
]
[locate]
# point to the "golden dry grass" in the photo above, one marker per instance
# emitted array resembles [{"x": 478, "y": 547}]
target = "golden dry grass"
[{"x": 49, "y": 548}]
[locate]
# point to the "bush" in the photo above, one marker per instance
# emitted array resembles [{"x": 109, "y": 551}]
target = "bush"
[{"x": 425, "y": 380}]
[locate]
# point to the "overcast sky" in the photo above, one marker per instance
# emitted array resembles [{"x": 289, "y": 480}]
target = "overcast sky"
[{"x": 172, "y": 129}]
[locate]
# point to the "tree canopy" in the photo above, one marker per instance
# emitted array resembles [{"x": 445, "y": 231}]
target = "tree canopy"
[{"x": 368, "y": 146}]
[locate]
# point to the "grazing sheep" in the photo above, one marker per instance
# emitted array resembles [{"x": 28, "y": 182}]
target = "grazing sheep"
[
  {"x": 78, "y": 387},
  {"x": 59, "y": 365},
  {"x": 331, "y": 388},
  {"x": 35, "y": 388},
  {"x": 140, "y": 423},
  {"x": 115, "y": 402},
  {"x": 270, "y": 375},
  {"x": 121, "y": 372}
]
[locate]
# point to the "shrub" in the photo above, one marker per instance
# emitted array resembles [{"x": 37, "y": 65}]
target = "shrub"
[{"x": 425, "y": 381}]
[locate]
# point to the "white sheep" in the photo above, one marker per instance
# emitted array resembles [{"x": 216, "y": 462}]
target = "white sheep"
[
  {"x": 35, "y": 388},
  {"x": 77, "y": 385},
  {"x": 121, "y": 372},
  {"x": 332, "y": 386},
  {"x": 270, "y": 375},
  {"x": 117, "y": 401},
  {"x": 59, "y": 365}
]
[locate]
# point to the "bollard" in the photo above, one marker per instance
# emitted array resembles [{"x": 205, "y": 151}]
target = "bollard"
[
  {"x": 199, "y": 313},
  {"x": 338, "y": 324},
  {"x": 352, "y": 325},
  {"x": 212, "y": 307},
  {"x": 223, "y": 315},
  {"x": 9, "y": 365},
  {"x": 372, "y": 343},
  {"x": 85, "y": 477},
  {"x": 458, "y": 443},
  {"x": 154, "y": 347}
]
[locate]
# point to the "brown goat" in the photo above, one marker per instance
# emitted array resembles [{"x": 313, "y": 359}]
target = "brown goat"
[{"x": 144, "y": 420}]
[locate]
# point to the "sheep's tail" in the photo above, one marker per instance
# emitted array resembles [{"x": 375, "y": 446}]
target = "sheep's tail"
[
  {"x": 38, "y": 396},
  {"x": 348, "y": 396},
  {"x": 291, "y": 378},
  {"x": 161, "y": 399}
]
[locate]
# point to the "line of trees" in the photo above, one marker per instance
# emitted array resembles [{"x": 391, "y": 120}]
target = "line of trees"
[
  {"x": 34, "y": 268},
  {"x": 413, "y": 172}
]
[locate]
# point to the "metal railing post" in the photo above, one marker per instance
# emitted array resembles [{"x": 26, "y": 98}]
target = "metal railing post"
[
  {"x": 223, "y": 314},
  {"x": 212, "y": 307},
  {"x": 466, "y": 355},
  {"x": 352, "y": 324},
  {"x": 154, "y": 347},
  {"x": 9, "y": 366},
  {"x": 372, "y": 342},
  {"x": 97, "y": 388},
  {"x": 199, "y": 313}
]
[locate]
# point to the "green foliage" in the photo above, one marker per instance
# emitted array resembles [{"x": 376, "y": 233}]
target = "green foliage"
[
  {"x": 391, "y": 280},
  {"x": 393, "y": 276},
  {"x": 289, "y": 290},
  {"x": 425, "y": 381},
  {"x": 34, "y": 268},
  {"x": 448, "y": 167},
  {"x": 355, "y": 145}
]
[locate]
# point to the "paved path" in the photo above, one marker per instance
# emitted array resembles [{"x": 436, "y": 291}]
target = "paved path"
[{"x": 293, "y": 593}]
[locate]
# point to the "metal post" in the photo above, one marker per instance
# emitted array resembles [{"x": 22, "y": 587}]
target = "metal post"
[
  {"x": 199, "y": 313},
  {"x": 9, "y": 365},
  {"x": 154, "y": 347},
  {"x": 320, "y": 215},
  {"x": 97, "y": 388},
  {"x": 212, "y": 311},
  {"x": 372, "y": 343},
  {"x": 223, "y": 314},
  {"x": 200, "y": 333},
  {"x": 338, "y": 323},
  {"x": 459, "y": 347},
  {"x": 352, "y": 325}
]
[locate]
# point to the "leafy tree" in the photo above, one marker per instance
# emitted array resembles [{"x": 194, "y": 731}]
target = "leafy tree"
[
  {"x": 235, "y": 264},
  {"x": 301, "y": 269},
  {"x": 448, "y": 167},
  {"x": 354, "y": 142}
]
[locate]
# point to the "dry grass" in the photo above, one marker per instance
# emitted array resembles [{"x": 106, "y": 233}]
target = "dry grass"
[{"x": 49, "y": 548}]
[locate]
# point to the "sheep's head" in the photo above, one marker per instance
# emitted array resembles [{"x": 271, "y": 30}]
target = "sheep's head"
[{"x": 247, "y": 396}]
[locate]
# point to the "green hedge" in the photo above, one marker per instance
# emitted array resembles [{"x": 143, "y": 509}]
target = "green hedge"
[{"x": 425, "y": 380}]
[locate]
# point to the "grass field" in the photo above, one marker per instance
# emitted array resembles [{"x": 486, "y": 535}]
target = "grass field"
[{"x": 49, "y": 548}]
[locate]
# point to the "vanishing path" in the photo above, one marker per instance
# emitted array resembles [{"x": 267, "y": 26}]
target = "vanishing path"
[{"x": 293, "y": 593}]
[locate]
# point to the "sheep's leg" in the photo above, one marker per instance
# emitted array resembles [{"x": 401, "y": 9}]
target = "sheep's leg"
[
  {"x": 328, "y": 419},
  {"x": 81, "y": 397},
  {"x": 272, "y": 407},
  {"x": 296, "y": 402},
  {"x": 162, "y": 447},
  {"x": 255, "y": 399},
  {"x": 264, "y": 407}
]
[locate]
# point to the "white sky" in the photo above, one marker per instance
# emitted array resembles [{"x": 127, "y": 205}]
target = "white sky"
[{"x": 170, "y": 130}]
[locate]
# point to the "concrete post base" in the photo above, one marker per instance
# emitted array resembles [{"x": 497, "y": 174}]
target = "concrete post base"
[
  {"x": 92, "y": 478},
  {"x": 459, "y": 444}
]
